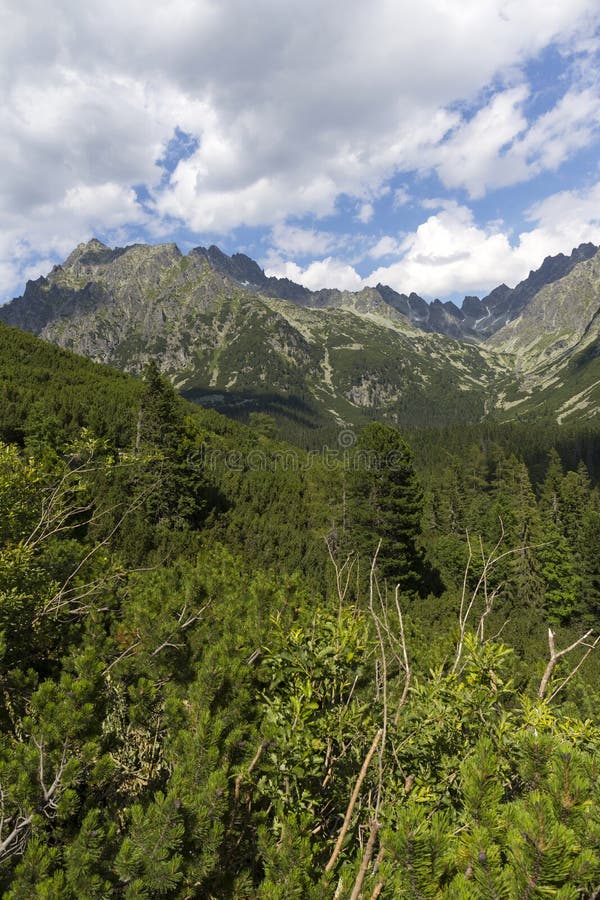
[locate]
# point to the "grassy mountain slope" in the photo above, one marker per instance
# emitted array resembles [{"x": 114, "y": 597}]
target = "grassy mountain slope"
[{"x": 555, "y": 346}]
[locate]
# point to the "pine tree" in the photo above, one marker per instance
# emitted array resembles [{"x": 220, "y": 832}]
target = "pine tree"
[
  {"x": 148, "y": 863},
  {"x": 160, "y": 421},
  {"x": 590, "y": 559},
  {"x": 551, "y": 491}
]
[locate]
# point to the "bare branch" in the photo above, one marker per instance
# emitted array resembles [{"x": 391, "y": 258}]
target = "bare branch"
[
  {"x": 239, "y": 778},
  {"x": 343, "y": 571},
  {"x": 356, "y": 890},
  {"x": 350, "y": 809},
  {"x": 555, "y": 655},
  {"x": 181, "y": 626},
  {"x": 380, "y": 884},
  {"x": 52, "y": 511},
  {"x": 14, "y": 842},
  {"x": 487, "y": 609},
  {"x": 56, "y": 602},
  {"x": 488, "y": 562},
  {"x": 405, "y": 663},
  {"x": 126, "y": 652},
  {"x": 49, "y": 793},
  {"x": 373, "y": 588},
  {"x": 465, "y": 577}
]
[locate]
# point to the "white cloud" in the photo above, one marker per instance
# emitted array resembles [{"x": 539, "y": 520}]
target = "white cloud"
[
  {"x": 567, "y": 127},
  {"x": 291, "y": 240},
  {"x": 292, "y": 106},
  {"x": 56, "y": 228},
  {"x": 470, "y": 158},
  {"x": 563, "y": 220},
  {"x": 436, "y": 202},
  {"x": 401, "y": 196},
  {"x": 449, "y": 253},
  {"x": 108, "y": 205},
  {"x": 498, "y": 146},
  {"x": 365, "y": 213},
  {"x": 324, "y": 273},
  {"x": 385, "y": 246},
  {"x": 74, "y": 128}
]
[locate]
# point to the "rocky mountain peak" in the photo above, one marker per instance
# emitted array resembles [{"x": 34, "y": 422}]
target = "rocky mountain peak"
[
  {"x": 92, "y": 250},
  {"x": 238, "y": 266},
  {"x": 93, "y": 257},
  {"x": 504, "y": 304},
  {"x": 555, "y": 267}
]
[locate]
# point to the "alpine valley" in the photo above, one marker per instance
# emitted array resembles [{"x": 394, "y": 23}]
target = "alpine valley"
[{"x": 228, "y": 336}]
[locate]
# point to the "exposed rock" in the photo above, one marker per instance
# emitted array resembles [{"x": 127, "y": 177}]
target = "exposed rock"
[{"x": 504, "y": 304}]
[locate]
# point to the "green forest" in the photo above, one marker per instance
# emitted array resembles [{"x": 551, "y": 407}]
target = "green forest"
[{"x": 234, "y": 668}]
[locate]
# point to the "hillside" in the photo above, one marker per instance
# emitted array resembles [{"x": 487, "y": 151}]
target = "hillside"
[{"x": 554, "y": 341}]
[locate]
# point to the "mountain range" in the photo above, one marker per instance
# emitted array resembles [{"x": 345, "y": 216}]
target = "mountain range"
[{"x": 229, "y": 336}]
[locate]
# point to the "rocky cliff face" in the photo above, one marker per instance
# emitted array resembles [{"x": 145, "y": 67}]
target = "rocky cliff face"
[
  {"x": 556, "y": 318},
  {"x": 485, "y": 317},
  {"x": 555, "y": 344}
]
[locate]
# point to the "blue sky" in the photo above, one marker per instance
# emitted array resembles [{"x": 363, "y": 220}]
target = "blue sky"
[{"x": 441, "y": 147}]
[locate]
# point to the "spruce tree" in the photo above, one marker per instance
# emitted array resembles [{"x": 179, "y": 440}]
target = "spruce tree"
[
  {"x": 514, "y": 513},
  {"x": 386, "y": 504}
]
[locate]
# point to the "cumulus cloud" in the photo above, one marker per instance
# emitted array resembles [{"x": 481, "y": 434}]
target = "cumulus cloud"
[
  {"x": 292, "y": 240},
  {"x": 385, "y": 246},
  {"x": 450, "y": 253},
  {"x": 29, "y": 249},
  {"x": 365, "y": 213},
  {"x": 74, "y": 129},
  {"x": 288, "y": 108},
  {"x": 562, "y": 221},
  {"x": 498, "y": 147},
  {"x": 338, "y": 109},
  {"x": 323, "y": 273}
]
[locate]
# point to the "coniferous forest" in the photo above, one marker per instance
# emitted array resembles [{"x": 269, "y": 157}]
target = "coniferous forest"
[{"x": 232, "y": 668}]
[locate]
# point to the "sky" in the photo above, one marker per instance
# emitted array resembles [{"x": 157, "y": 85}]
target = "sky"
[{"x": 438, "y": 146}]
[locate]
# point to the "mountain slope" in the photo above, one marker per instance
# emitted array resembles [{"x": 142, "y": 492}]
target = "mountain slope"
[
  {"x": 221, "y": 342},
  {"x": 555, "y": 342},
  {"x": 47, "y": 394},
  {"x": 328, "y": 358}
]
